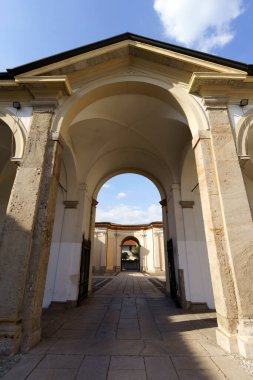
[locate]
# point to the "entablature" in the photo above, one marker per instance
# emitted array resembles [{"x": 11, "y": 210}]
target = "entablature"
[{"x": 235, "y": 86}]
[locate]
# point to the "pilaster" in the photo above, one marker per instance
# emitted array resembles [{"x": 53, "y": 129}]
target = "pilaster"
[
  {"x": 26, "y": 234},
  {"x": 228, "y": 224},
  {"x": 178, "y": 236}
]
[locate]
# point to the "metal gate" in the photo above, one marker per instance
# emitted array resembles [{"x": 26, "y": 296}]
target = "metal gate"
[
  {"x": 172, "y": 272},
  {"x": 84, "y": 271}
]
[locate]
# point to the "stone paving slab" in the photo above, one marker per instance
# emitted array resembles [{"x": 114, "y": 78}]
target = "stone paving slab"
[
  {"x": 128, "y": 329},
  {"x": 53, "y": 374},
  {"x": 127, "y": 374},
  {"x": 160, "y": 368},
  {"x": 203, "y": 374},
  {"x": 60, "y": 362},
  {"x": 25, "y": 366},
  {"x": 94, "y": 368}
]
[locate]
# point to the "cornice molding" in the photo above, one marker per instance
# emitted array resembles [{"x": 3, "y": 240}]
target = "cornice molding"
[
  {"x": 201, "y": 79},
  {"x": 187, "y": 204},
  {"x": 70, "y": 204},
  {"x": 215, "y": 102},
  {"x": 40, "y": 88}
]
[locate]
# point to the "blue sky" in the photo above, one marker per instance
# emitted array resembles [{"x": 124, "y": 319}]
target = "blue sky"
[
  {"x": 30, "y": 30},
  {"x": 129, "y": 198}
]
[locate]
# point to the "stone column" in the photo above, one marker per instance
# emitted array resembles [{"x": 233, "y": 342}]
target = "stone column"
[
  {"x": 93, "y": 206},
  {"x": 163, "y": 203},
  {"x": 110, "y": 251},
  {"x": 117, "y": 259},
  {"x": 103, "y": 252},
  {"x": 177, "y": 232},
  {"x": 228, "y": 227},
  {"x": 143, "y": 252},
  {"x": 26, "y": 235},
  {"x": 157, "y": 263}
]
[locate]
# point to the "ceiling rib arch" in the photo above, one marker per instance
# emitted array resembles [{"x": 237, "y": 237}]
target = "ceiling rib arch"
[{"x": 173, "y": 94}]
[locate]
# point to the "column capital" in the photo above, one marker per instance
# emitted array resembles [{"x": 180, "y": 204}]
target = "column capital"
[
  {"x": 243, "y": 159},
  {"x": 202, "y": 134},
  {"x": 215, "y": 102},
  {"x": 55, "y": 136},
  {"x": 70, "y": 204},
  {"x": 175, "y": 186},
  {"x": 44, "y": 105},
  {"x": 186, "y": 204}
]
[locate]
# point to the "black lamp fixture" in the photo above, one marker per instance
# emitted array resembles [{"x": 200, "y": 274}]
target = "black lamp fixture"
[
  {"x": 244, "y": 102},
  {"x": 16, "y": 104}
]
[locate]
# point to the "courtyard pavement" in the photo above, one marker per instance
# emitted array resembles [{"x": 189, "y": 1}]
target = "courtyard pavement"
[{"x": 129, "y": 329}]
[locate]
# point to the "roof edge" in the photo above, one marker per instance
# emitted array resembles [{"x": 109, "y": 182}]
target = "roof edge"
[
  {"x": 115, "y": 225},
  {"x": 119, "y": 38}
]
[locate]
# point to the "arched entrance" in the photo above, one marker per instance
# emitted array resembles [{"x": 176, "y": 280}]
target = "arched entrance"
[
  {"x": 142, "y": 109},
  {"x": 130, "y": 254},
  {"x": 135, "y": 127}
]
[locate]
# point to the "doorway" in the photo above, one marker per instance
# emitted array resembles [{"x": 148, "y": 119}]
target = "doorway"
[{"x": 130, "y": 254}]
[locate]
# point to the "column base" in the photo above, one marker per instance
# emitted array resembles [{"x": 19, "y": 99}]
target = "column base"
[
  {"x": 245, "y": 338},
  {"x": 10, "y": 338},
  {"x": 227, "y": 342},
  {"x": 31, "y": 340},
  {"x": 245, "y": 346}
]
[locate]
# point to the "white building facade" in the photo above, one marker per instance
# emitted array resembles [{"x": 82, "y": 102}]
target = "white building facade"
[{"x": 109, "y": 240}]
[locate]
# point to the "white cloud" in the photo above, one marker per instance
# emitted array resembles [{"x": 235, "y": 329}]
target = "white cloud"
[
  {"x": 106, "y": 186},
  {"x": 125, "y": 214},
  {"x": 203, "y": 25},
  {"x": 121, "y": 195}
]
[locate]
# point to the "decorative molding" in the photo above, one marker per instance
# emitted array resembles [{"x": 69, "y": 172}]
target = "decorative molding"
[
  {"x": 243, "y": 159},
  {"x": 16, "y": 160},
  {"x": 204, "y": 80},
  {"x": 204, "y": 134},
  {"x": 127, "y": 227},
  {"x": 186, "y": 204},
  {"x": 44, "y": 105},
  {"x": 70, "y": 204},
  {"x": 175, "y": 186},
  {"x": 55, "y": 136},
  {"x": 215, "y": 102}
]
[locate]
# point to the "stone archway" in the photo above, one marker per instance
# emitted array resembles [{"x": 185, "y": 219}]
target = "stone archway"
[
  {"x": 138, "y": 110},
  {"x": 126, "y": 141}
]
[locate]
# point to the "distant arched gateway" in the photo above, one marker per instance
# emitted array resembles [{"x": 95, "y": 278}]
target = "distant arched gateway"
[
  {"x": 119, "y": 247},
  {"x": 126, "y": 104}
]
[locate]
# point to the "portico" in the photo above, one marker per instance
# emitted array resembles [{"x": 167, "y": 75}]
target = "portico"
[{"x": 128, "y": 104}]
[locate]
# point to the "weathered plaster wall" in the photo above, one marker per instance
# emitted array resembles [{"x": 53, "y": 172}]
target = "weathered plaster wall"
[{"x": 196, "y": 266}]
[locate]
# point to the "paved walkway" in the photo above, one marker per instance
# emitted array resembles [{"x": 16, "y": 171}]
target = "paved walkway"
[{"x": 127, "y": 330}]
